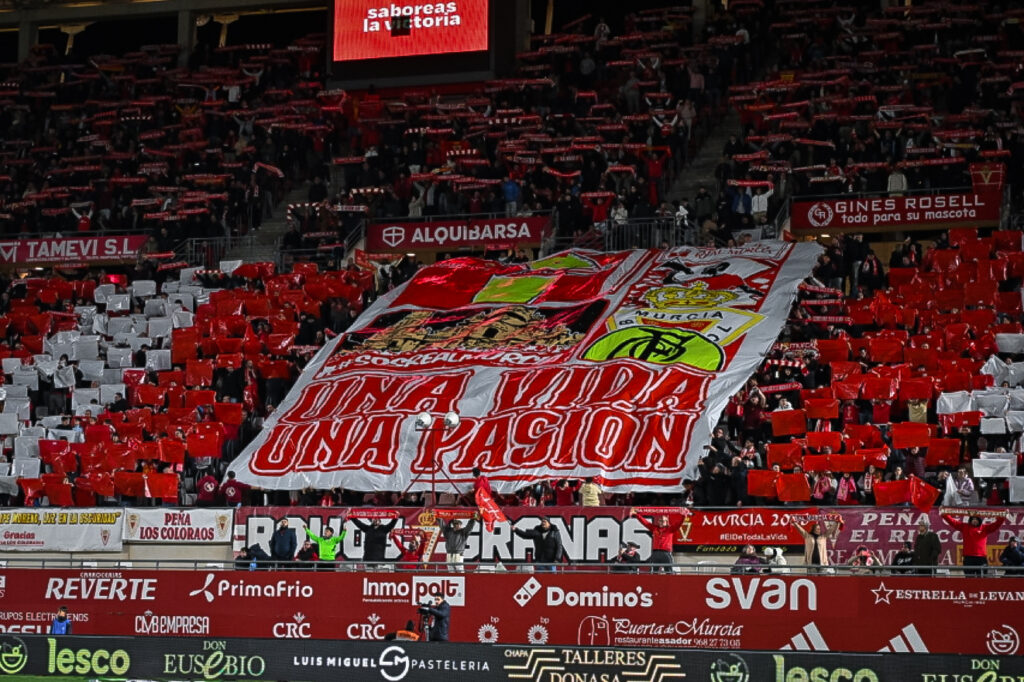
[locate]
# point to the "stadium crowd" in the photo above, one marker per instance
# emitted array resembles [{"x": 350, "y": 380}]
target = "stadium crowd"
[{"x": 883, "y": 374}]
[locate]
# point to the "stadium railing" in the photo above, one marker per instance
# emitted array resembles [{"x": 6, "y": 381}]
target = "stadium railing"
[{"x": 705, "y": 567}]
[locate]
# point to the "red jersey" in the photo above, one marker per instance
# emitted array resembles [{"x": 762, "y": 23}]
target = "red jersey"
[
  {"x": 662, "y": 537},
  {"x": 975, "y": 537}
]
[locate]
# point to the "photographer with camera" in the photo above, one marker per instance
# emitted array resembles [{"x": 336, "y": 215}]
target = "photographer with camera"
[{"x": 440, "y": 614}]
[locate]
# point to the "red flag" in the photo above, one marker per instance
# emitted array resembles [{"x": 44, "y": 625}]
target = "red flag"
[
  {"x": 885, "y": 350},
  {"x": 883, "y": 388},
  {"x": 922, "y": 495},
  {"x": 879, "y": 457},
  {"x": 199, "y": 373},
  {"x": 848, "y": 389},
  {"x": 889, "y": 493},
  {"x": 151, "y": 395},
  {"x": 171, "y": 451},
  {"x": 99, "y": 482},
  {"x": 161, "y": 485},
  {"x": 843, "y": 463},
  {"x": 489, "y": 509},
  {"x": 763, "y": 482},
  {"x": 910, "y": 434},
  {"x": 789, "y": 422},
  {"x": 228, "y": 413},
  {"x": 204, "y": 445},
  {"x": 786, "y": 455},
  {"x": 59, "y": 494},
  {"x": 129, "y": 483},
  {"x": 833, "y": 350},
  {"x": 822, "y": 408},
  {"x": 816, "y": 463},
  {"x": 916, "y": 389},
  {"x": 31, "y": 487},
  {"x": 862, "y": 436},
  {"x": 943, "y": 452},
  {"x": 818, "y": 440},
  {"x": 793, "y": 488}
]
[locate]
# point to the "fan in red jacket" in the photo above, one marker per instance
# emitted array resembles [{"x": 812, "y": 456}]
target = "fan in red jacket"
[
  {"x": 975, "y": 543},
  {"x": 411, "y": 549},
  {"x": 663, "y": 532}
]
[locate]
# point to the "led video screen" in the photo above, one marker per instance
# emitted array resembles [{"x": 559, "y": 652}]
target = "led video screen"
[{"x": 374, "y": 29}]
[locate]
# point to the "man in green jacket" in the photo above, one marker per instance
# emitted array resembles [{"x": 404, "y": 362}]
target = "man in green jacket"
[{"x": 327, "y": 546}]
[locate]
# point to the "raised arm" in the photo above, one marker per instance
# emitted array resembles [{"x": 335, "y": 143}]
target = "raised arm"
[
  {"x": 644, "y": 522},
  {"x": 994, "y": 526},
  {"x": 953, "y": 523}
]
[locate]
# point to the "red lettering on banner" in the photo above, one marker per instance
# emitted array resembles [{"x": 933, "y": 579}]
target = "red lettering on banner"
[
  {"x": 542, "y": 390},
  {"x": 348, "y": 443},
  {"x": 540, "y": 429},
  {"x": 380, "y": 393}
]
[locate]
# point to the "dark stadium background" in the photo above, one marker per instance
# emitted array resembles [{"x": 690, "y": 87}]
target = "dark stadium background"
[{"x": 280, "y": 28}]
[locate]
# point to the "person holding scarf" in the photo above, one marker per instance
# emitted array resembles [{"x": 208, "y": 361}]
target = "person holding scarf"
[{"x": 846, "y": 491}]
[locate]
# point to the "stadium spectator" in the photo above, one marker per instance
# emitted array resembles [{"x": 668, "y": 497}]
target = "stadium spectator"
[
  {"x": 456, "y": 537},
  {"x": 480, "y": 482},
  {"x": 904, "y": 557},
  {"x": 816, "y": 539},
  {"x": 1012, "y": 556},
  {"x": 307, "y": 556},
  {"x": 863, "y": 561},
  {"x": 61, "y": 624},
  {"x": 283, "y": 544},
  {"x": 232, "y": 491},
  {"x": 628, "y": 557},
  {"x": 663, "y": 533},
  {"x": 927, "y": 546},
  {"x": 410, "y": 550},
  {"x": 590, "y": 493},
  {"x": 547, "y": 543},
  {"x": 749, "y": 562},
  {"x": 326, "y": 546},
  {"x": 975, "y": 540},
  {"x": 375, "y": 537},
  {"x": 207, "y": 490}
]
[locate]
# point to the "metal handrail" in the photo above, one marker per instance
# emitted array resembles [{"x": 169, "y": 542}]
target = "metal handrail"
[
  {"x": 209, "y": 251},
  {"x": 356, "y": 565},
  {"x": 880, "y": 193},
  {"x": 456, "y": 216}
]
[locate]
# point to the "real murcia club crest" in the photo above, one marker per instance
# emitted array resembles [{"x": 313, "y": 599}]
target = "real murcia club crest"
[
  {"x": 687, "y": 324},
  {"x": 693, "y": 307}
]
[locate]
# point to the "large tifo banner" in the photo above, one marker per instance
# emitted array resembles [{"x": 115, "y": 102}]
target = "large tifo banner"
[
  {"x": 61, "y": 529},
  {"x": 167, "y": 525},
  {"x": 917, "y": 212},
  {"x": 788, "y": 612},
  {"x": 433, "y": 235},
  {"x": 216, "y": 658},
  {"x": 67, "y": 250},
  {"x": 594, "y": 534},
  {"x": 583, "y": 364}
]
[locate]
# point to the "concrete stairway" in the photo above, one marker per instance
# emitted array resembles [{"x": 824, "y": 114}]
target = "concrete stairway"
[
  {"x": 263, "y": 244},
  {"x": 701, "y": 170}
]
